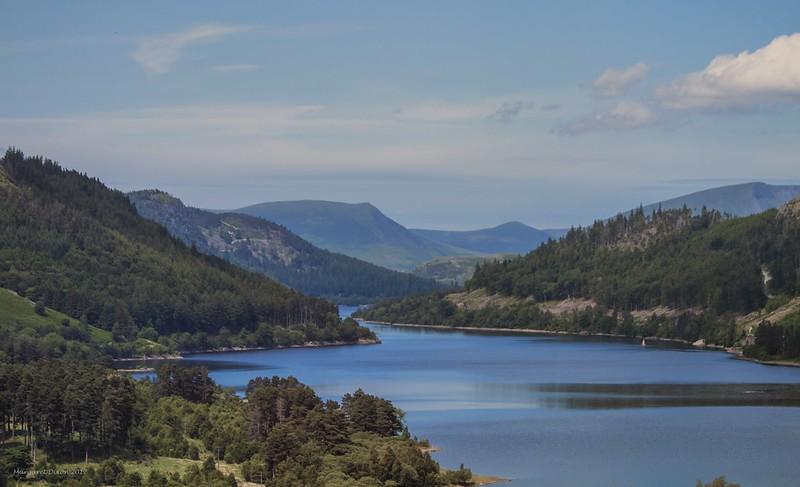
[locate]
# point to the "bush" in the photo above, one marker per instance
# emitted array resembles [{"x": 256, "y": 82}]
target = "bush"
[{"x": 111, "y": 471}]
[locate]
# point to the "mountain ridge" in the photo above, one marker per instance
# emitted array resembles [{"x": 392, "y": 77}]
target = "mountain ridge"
[
  {"x": 736, "y": 199},
  {"x": 272, "y": 249},
  {"x": 510, "y": 237},
  {"x": 359, "y": 230}
]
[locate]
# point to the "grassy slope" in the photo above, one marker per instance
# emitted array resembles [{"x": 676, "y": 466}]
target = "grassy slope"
[{"x": 15, "y": 308}]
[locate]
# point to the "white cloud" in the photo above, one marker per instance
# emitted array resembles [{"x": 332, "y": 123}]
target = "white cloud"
[
  {"x": 613, "y": 82},
  {"x": 157, "y": 54},
  {"x": 626, "y": 115},
  {"x": 764, "y": 76}
]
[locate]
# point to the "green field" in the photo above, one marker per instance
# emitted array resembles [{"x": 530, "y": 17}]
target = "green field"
[{"x": 16, "y": 309}]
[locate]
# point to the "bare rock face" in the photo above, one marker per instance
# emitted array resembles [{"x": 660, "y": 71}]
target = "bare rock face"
[
  {"x": 699, "y": 343},
  {"x": 791, "y": 209}
]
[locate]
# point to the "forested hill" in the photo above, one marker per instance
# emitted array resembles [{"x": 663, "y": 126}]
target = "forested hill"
[
  {"x": 269, "y": 248},
  {"x": 668, "y": 258},
  {"x": 675, "y": 274},
  {"x": 74, "y": 245}
]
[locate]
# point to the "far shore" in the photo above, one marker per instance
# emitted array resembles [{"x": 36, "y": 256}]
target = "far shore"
[
  {"x": 735, "y": 351},
  {"x": 181, "y": 354}
]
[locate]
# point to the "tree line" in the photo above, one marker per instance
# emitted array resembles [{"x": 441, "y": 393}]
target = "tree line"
[{"x": 281, "y": 433}]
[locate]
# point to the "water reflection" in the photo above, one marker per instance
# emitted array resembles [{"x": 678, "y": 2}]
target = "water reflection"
[{"x": 622, "y": 396}]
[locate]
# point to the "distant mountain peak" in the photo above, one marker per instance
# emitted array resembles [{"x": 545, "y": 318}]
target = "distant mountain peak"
[
  {"x": 513, "y": 224},
  {"x": 359, "y": 230}
]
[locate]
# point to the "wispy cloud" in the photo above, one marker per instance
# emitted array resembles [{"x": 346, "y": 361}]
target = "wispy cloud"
[
  {"x": 510, "y": 111},
  {"x": 442, "y": 111},
  {"x": 285, "y": 140},
  {"x": 626, "y": 115},
  {"x": 157, "y": 54},
  {"x": 503, "y": 109},
  {"x": 765, "y": 76},
  {"x": 614, "y": 82}
]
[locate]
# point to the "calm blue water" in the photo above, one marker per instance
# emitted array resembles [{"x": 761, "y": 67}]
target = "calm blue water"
[{"x": 557, "y": 411}]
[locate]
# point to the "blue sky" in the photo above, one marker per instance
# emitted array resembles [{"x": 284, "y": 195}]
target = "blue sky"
[{"x": 442, "y": 114}]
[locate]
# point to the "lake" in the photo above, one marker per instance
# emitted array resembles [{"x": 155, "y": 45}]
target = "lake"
[{"x": 556, "y": 411}]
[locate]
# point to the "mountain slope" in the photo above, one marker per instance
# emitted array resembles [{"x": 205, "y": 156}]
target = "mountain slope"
[
  {"x": 670, "y": 274},
  {"x": 68, "y": 241},
  {"x": 263, "y": 246},
  {"x": 511, "y": 238},
  {"x": 358, "y": 230},
  {"x": 736, "y": 200}
]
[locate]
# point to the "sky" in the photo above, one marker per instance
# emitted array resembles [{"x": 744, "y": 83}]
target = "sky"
[{"x": 452, "y": 115}]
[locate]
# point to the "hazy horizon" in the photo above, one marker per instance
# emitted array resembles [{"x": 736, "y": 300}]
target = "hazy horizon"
[{"x": 488, "y": 225}]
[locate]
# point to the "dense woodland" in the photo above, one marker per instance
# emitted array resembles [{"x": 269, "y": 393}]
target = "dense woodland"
[
  {"x": 72, "y": 244},
  {"x": 708, "y": 267},
  {"x": 271, "y": 249},
  {"x": 280, "y": 434}
]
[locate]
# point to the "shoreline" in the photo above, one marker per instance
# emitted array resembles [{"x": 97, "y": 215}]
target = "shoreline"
[
  {"x": 539, "y": 331},
  {"x": 180, "y": 355},
  {"x": 478, "y": 479},
  {"x": 736, "y": 352}
]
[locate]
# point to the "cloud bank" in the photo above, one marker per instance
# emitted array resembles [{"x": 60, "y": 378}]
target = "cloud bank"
[{"x": 767, "y": 75}]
